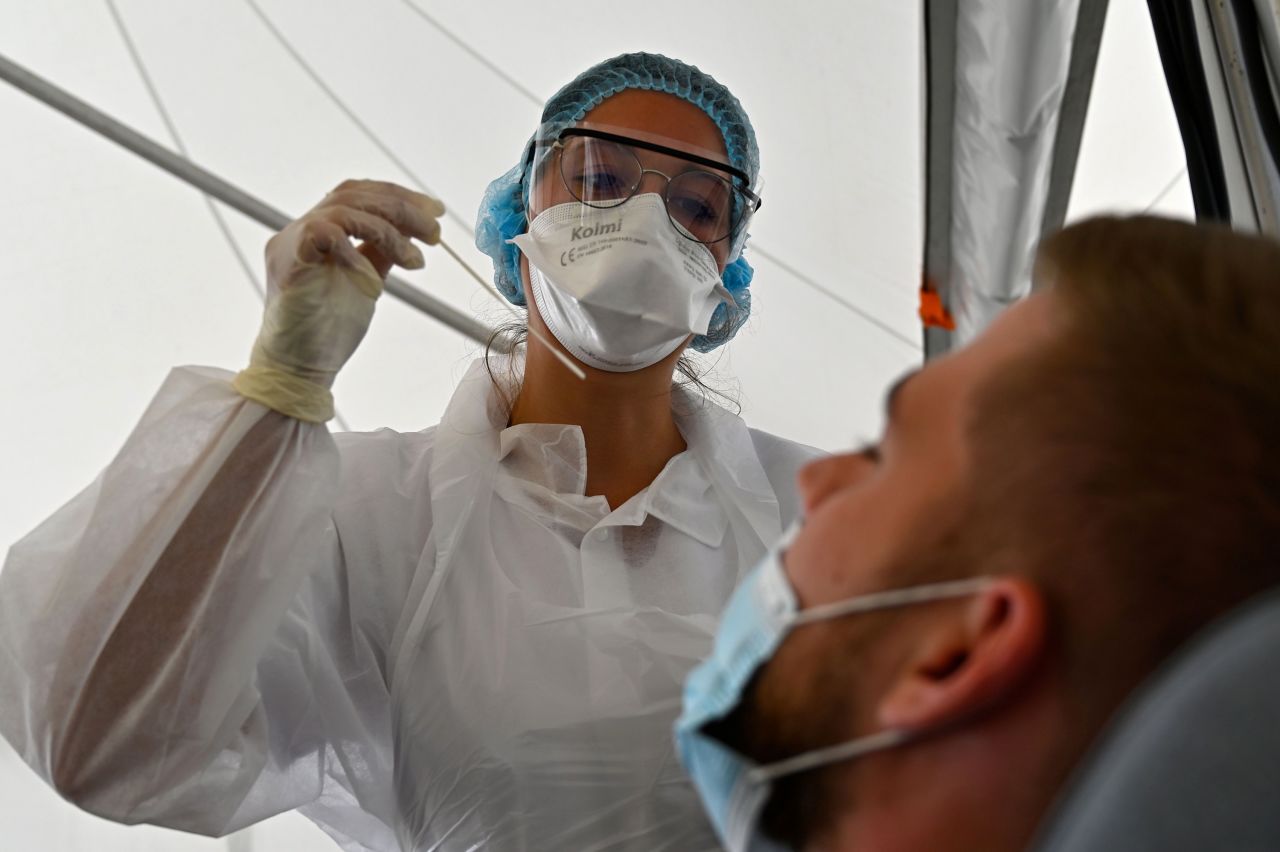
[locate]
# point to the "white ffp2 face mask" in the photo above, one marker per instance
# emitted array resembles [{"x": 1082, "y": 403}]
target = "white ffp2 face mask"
[{"x": 620, "y": 288}]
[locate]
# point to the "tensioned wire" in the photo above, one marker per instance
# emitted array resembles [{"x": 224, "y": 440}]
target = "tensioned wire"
[
  {"x": 351, "y": 115},
  {"x": 1168, "y": 188},
  {"x": 136, "y": 56},
  {"x": 524, "y": 92}
]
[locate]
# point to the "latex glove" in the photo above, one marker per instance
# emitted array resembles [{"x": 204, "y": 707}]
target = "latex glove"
[{"x": 321, "y": 290}]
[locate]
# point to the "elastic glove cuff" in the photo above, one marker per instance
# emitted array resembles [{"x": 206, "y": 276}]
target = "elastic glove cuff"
[{"x": 285, "y": 393}]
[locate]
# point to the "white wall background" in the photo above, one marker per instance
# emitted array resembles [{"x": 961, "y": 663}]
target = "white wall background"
[{"x": 114, "y": 271}]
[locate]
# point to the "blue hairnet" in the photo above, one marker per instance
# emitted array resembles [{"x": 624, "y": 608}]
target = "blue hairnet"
[{"x": 502, "y": 211}]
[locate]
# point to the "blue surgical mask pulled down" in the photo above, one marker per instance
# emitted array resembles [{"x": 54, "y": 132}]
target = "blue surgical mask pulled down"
[{"x": 760, "y": 614}]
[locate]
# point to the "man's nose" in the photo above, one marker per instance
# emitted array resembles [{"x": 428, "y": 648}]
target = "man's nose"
[{"x": 819, "y": 479}]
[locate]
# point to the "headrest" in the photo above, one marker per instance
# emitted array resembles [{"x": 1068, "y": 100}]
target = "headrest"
[{"x": 1194, "y": 762}]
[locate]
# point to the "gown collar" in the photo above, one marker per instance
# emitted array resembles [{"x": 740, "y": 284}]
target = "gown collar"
[{"x": 551, "y": 459}]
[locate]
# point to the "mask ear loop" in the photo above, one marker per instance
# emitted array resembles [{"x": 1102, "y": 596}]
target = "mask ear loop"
[
  {"x": 893, "y": 599},
  {"x": 884, "y": 740},
  {"x": 533, "y": 332},
  {"x": 851, "y": 750}
]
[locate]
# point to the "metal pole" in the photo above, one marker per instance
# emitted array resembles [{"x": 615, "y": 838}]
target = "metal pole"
[
  {"x": 940, "y": 20},
  {"x": 1086, "y": 42},
  {"x": 1240, "y": 113},
  {"x": 207, "y": 182}
]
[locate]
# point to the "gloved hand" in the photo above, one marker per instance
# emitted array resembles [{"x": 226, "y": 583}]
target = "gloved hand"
[{"x": 321, "y": 290}]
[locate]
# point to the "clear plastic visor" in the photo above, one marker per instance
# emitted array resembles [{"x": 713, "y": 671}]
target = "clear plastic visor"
[{"x": 603, "y": 167}]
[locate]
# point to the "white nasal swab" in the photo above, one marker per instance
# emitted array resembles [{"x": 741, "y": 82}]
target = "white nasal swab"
[{"x": 488, "y": 288}]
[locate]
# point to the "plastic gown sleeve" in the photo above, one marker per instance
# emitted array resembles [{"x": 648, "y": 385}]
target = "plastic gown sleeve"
[{"x": 176, "y": 643}]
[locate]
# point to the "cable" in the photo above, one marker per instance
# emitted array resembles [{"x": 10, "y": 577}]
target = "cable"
[
  {"x": 839, "y": 300},
  {"x": 351, "y": 114},
  {"x": 177, "y": 141},
  {"x": 1168, "y": 188},
  {"x": 176, "y": 137},
  {"x": 477, "y": 56},
  {"x": 755, "y": 247}
]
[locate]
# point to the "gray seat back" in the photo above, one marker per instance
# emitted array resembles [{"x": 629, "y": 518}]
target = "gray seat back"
[{"x": 1194, "y": 762}]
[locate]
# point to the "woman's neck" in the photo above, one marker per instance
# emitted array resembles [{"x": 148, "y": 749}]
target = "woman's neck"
[{"x": 626, "y": 420}]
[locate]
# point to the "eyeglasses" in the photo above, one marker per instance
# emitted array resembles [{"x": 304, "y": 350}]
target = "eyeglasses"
[{"x": 604, "y": 170}]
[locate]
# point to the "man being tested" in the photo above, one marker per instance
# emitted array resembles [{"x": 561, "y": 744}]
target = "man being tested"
[{"x": 1050, "y": 513}]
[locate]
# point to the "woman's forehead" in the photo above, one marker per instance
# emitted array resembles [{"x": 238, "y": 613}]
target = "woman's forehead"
[{"x": 660, "y": 118}]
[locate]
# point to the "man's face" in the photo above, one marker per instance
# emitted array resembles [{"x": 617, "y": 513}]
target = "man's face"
[
  {"x": 867, "y": 513},
  {"x": 866, "y": 510}
]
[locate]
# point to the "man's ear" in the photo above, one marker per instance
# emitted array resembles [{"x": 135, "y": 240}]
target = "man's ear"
[{"x": 970, "y": 658}]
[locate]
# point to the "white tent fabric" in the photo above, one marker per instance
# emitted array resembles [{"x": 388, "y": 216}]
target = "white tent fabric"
[{"x": 116, "y": 271}]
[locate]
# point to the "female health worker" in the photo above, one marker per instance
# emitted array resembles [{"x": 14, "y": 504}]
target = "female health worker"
[{"x": 470, "y": 637}]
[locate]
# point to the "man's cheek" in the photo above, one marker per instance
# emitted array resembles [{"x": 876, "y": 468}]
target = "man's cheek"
[
  {"x": 846, "y": 546},
  {"x": 783, "y": 695},
  {"x": 824, "y": 561}
]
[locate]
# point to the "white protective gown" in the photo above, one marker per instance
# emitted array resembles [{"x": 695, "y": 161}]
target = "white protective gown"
[{"x": 423, "y": 641}]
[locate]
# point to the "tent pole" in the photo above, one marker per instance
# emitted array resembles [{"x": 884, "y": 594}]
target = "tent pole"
[
  {"x": 940, "y": 95},
  {"x": 209, "y": 183},
  {"x": 1086, "y": 42}
]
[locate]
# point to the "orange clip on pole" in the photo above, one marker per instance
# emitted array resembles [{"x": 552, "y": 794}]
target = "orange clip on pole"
[{"x": 933, "y": 313}]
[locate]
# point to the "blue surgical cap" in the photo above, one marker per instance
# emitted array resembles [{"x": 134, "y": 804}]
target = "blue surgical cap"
[{"x": 502, "y": 211}]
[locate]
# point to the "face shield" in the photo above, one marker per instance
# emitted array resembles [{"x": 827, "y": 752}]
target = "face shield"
[
  {"x": 627, "y": 241},
  {"x": 599, "y": 167}
]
